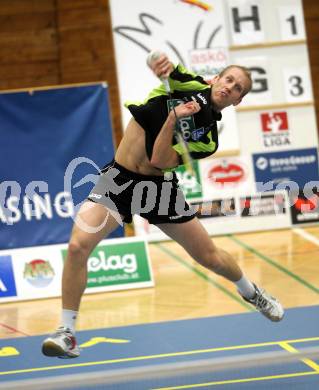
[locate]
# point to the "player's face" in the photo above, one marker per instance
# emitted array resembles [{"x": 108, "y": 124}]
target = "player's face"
[{"x": 228, "y": 89}]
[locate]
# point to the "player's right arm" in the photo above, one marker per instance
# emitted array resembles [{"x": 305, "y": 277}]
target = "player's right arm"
[{"x": 164, "y": 155}]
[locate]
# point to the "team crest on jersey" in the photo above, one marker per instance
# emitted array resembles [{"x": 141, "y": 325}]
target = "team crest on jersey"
[{"x": 198, "y": 133}]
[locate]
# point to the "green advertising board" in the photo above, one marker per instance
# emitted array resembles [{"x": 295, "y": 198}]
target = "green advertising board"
[
  {"x": 118, "y": 264},
  {"x": 190, "y": 185}
]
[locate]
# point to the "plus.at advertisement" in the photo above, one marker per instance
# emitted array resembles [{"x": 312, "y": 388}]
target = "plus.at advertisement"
[{"x": 115, "y": 266}]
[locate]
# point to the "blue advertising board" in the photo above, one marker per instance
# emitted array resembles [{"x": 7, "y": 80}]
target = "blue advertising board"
[
  {"x": 293, "y": 169},
  {"x": 7, "y": 281},
  {"x": 53, "y": 143}
]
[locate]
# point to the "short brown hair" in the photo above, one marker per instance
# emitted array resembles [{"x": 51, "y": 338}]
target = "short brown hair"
[{"x": 246, "y": 72}]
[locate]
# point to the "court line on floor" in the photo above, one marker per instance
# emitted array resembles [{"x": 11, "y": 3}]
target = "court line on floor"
[
  {"x": 204, "y": 276},
  {"x": 273, "y": 263},
  {"x": 307, "y": 236},
  {"x": 244, "y": 380},
  {"x": 161, "y": 356},
  {"x": 14, "y": 330}
]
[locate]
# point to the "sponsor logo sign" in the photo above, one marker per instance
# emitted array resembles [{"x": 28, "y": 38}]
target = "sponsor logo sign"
[
  {"x": 305, "y": 209},
  {"x": 215, "y": 208},
  {"x": 39, "y": 273},
  {"x": 118, "y": 264},
  {"x": 36, "y": 200},
  {"x": 272, "y": 204},
  {"x": 190, "y": 185},
  {"x": 7, "y": 282},
  {"x": 294, "y": 168},
  {"x": 226, "y": 173},
  {"x": 275, "y": 130},
  {"x": 208, "y": 62}
]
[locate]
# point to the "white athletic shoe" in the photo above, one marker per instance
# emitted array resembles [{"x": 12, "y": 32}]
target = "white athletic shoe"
[
  {"x": 61, "y": 344},
  {"x": 269, "y": 306}
]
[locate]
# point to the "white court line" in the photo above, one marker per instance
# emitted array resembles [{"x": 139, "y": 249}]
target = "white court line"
[{"x": 306, "y": 236}]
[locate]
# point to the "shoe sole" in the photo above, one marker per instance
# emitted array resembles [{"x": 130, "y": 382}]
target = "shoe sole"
[
  {"x": 49, "y": 348},
  {"x": 52, "y": 349}
]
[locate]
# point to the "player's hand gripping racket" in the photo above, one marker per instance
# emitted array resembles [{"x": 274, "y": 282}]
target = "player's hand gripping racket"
[{"x": 186, "y": 157}]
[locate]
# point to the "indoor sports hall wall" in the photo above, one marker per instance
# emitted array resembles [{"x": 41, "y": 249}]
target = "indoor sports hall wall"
[
  {"x": 52, "y": 42},
  {"x": 58, "y": 42}
]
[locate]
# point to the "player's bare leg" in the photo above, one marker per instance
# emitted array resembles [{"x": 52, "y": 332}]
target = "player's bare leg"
[
  {"x": 194, "y": 239},
  {"x": 92, "y": 224}
]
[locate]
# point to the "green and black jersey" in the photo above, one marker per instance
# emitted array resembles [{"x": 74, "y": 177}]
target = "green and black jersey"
[{"x": 199, "y": 130}]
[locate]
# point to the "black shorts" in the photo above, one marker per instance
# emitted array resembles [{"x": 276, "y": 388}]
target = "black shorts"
[{"x": 155, "y": 198}]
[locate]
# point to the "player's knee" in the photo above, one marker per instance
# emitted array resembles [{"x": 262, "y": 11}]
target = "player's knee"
[
  {"x": 212, "y": 260},
  {"x": 78, "y": 250}
]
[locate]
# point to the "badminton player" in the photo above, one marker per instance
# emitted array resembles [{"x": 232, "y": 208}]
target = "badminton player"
[{"x": 141, "y": 180}]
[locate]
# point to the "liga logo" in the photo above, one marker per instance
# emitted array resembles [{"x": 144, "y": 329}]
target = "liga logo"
[
  {"x": 274, "y": 122},
  {"x": 275, "y": 129},
  {"x": 39, "y": 273}
]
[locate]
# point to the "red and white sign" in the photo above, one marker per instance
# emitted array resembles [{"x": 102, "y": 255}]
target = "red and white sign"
[
  {"x": 226, "y": 173},
  {"x": 274, "y": 122},
  {"x": 225, "y": 177},
  {"x": 275, "y": 130},
  {"x": 305, "y": 209}
]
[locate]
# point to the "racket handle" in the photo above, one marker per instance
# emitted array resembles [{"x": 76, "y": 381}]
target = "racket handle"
[
  {"x": 165, "y": 82},
  {"x": 154, "y": 55}
]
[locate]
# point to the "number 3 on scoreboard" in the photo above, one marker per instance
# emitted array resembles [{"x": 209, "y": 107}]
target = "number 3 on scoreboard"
[{"x": 297, "y": 84}]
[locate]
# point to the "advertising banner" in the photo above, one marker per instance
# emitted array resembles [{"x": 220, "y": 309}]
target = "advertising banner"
[
  {"x": 238, "y": 214},
  {"x": 34, "y": 273},
  {"x": 277, "y": 130},
  {"x": 304, "y": 207},
  {"x": 223, "y": 177},
  {"x": 294, "y": 169},
  {"x": 53, "y": 143},
  {"x": 262, "y": 204},
  {"x": 114, "y": 266}
]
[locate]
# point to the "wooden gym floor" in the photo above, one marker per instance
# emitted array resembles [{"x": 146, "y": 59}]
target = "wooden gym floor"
[{"x": 284, "y": 262}]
